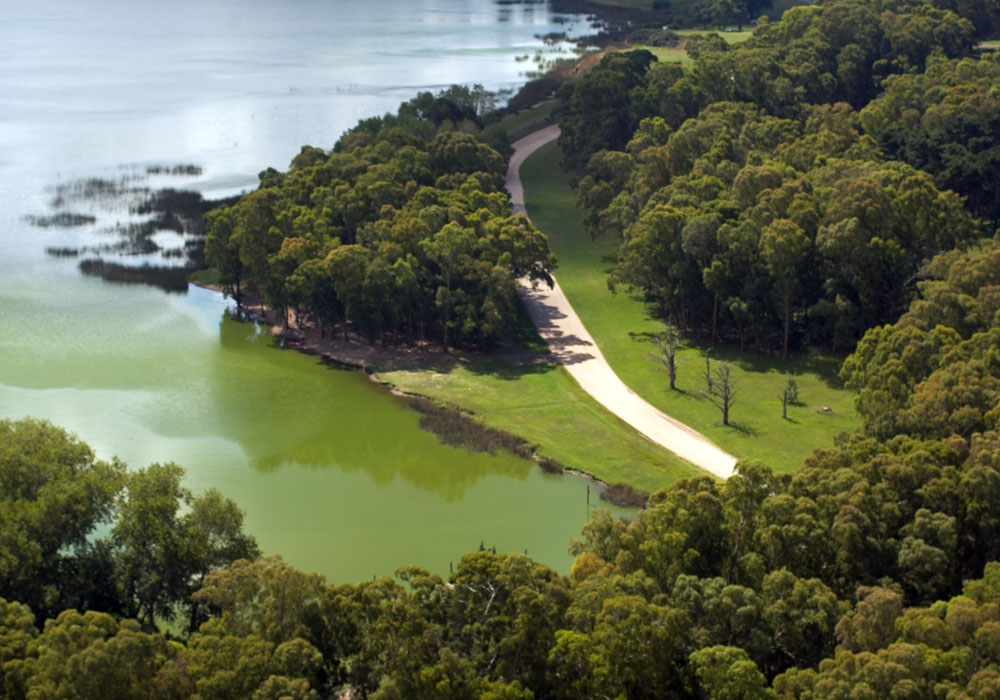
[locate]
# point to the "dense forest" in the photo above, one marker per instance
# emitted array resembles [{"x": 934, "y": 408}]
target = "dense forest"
[
  {"x": 403, "y": 230},
  {"x": 787, "y": 192},
  {"x": 832, "y": 182}
]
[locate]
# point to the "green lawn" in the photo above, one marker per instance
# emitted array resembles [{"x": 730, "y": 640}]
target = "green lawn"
[
  {"x": 208, "y": 276},
  {"x": 622, "y": 326},
  {"x": 666, "y": 54},
  {"x": 730, "y": 37},
  {"x": 528, "y": 120},
  {"x": 673, "y": 54},
  {"x": 542, "y": 404}
]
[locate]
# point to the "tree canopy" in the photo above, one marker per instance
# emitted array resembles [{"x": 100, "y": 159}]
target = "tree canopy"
[
  {"x": 754, "y": 204},
  {"x": 403, "y": 230},
  {"x": 78, "y": 532},
  {"x": 946, "y": 121},
  {"x": 773, "y": 232}
]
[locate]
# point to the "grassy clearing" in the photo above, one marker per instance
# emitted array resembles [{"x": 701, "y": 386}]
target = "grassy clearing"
[
  {"x": 674, "y": 54},
  {"x": 730, "y": 37},
  {"x": 666, "y": 54},
  {"x": 542, "y": 404},
  {"x": 528, "y": 120},
  {"x": 622, "y": 326}
]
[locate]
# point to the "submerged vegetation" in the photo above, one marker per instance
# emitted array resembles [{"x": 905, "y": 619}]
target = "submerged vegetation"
[
  {"x": 457, "y": 429},
  {"x": 112, "y": 251},
  {"x": 167, "y": 278}
]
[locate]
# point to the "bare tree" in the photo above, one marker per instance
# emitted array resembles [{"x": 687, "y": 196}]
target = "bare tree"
[
  {"x": 722, "y": 391},
  {"x": 665, "y": 352}
]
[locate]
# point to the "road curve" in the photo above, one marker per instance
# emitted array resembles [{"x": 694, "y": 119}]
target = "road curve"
[{"x": 573, "y": 347}]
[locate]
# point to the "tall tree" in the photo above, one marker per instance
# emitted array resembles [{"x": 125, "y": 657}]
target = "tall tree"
[{"x": 785, "y": 249}]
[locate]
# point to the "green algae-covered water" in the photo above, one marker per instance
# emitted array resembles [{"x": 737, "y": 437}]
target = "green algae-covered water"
[{"x": 333, "y": 472}]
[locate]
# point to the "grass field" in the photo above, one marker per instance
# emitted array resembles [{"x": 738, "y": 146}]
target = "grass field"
[
  {"x": 528, "y": 120},
  {"x": 730, "y": 37},
  {"x": 208, "y": 276},
  {"x": 666, "y": 54},
  {"x": 673, "y": 54},
  {"x": 622, "y": 326},
  {"x": 542, "y": 404}
]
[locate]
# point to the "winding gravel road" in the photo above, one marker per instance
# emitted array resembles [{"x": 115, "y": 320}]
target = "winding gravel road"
[{"x": 573, "y": 347}]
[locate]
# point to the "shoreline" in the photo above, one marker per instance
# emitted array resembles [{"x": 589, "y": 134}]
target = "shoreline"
[{"x": 357, "y": 354}]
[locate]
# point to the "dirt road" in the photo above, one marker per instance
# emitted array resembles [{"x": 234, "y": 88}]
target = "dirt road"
[{"x": 573, "y": 346}]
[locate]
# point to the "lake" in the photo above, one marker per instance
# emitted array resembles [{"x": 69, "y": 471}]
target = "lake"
[{"x": 333, "y": 472}]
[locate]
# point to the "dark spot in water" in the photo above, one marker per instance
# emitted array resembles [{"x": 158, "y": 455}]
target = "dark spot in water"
[
  {"x": 63, "y": 252},
  {"x": 141, "y": 212},
  {"x": 171, "y": 279},
  {"x": 175, "y": 170},
  {"x": 624, "y": 495},
  {"x": 63, "y": 219}
]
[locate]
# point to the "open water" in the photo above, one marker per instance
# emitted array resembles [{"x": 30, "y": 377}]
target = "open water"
[{"x": 333, "y": 473}]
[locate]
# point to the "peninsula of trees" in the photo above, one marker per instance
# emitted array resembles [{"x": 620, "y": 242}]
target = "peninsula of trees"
[{"x": 403, "y": 231}]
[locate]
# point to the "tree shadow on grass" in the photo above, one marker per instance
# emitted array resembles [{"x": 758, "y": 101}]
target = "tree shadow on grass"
[
  {"x": 611, "y": 260},
  {"x": 742, "y": 428},
  {"x": 825, "y": 367},
  {"x": 512, "y": 372}
]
